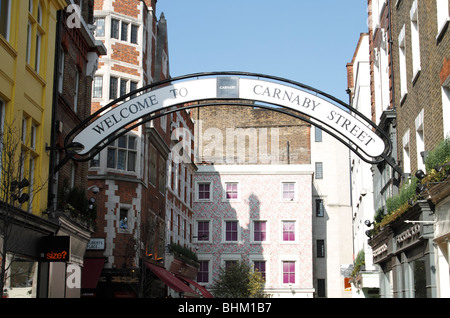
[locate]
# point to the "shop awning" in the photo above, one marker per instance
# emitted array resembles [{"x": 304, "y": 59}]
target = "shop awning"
[
  {"x": 92, "y": 269},
  {"x": 202, "y": 289},
  {"x": 171, "y": 281}
]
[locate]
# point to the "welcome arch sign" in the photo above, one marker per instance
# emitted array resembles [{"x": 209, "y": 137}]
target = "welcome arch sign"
[{"x": 337, "y": 118}]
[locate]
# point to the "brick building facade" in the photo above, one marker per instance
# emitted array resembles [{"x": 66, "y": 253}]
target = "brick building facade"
[
  {"x": 144, "y": 202},
  {"x": 261, "y": 175},
  {"x": 130, "y": 171},
  {"x": 417, "y": 68}
]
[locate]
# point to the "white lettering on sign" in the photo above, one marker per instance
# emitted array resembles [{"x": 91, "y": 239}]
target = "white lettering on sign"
[
  {"x": 408, "y": 234},
  {"x": 341, "y": 121},
  {"x": 383, "y": 248},
  {"x": 336, "y": 118}
]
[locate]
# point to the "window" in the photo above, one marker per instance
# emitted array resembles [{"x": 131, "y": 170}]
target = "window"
[
  {"x": 319, "y": 208},
  {"x": 446, "y": 110},
  {"x": 100, "y": 27},
  {"x": 406, "y": 153},
  {"x": 30, "y": 177},
  {"x": 161, "y": 175},
  {"x": 134, "y": 34},
  {"x": 288, "y": 272},
  {"x": 202, "y": 231},
  {"x": 95, "y": 161},
  {"x": 402, "y": 60},
  {"x": 133, "y": 86},
  {"x": 442, "y": 16},
  {"x": 260, "y": 267},
  {"x": 35, "y": 34},
  {"x": 5, "y": 18},
  {"x": 230, "y": 263},
  {"x": 37, "y": 56},
  {"x": 153, "y": 157},
  {"x": 288, "y": 191},
  {"x": 231, "y": 191},
  {"x": 123, "y": 219},
  {"x": 204, "y": 191},
  {"x": 231, "y": 231},
  {"x": 415, "y": 42},
  {"x": 122, "y": 153},
  {"x": 77, "y": 85},
  {"x": 33, "y": 136},
  {"x": 320, "y": 248},
  {"x": 318, "y": 134},
  {"x": 203, "y": 272},
  {"x": 24, "y": 130},
  {"x": 114, "y": 28},
  {"x": 321, "y": 290},
  {"x": 61, "y": 71},
  {"x": 97, "y": 87},
  {"x": 123, "y": 87},
  {"x": 23, "y": 274},
  {"x": 259, "y": 231},
  {"x": 124, "y": 32},
  {"x": 288, "y": 228},
  {"x": 420, "y": 144},
  {"x": 113, "y": 86},
  {"x": 319, "y": 170},
  {"x": 28, "y": 53}
]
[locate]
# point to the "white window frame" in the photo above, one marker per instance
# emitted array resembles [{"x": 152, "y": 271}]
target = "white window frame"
[
  {"x": 406, "y": 153},
  {"x": 95, "y": 86},
  {"x": 260, "y": 258},
  {"x": 420, "y": 141},
  {"x": 229, "y": 257},
  {"x": 282, "y": 183},
  {"x": 252, "y": 231},
  {"x": 296, "y": 233},
  {"x": 224, "y": 231},
  {"x": 442, "y": 17},
  {"x": 402, "y": 61},
  {"x": 209, "y": 258},
  {"x": 415, "y": 40},
  {"x": 209, "y": 240},
  {"x": 224, "y": 194},
  {"x": 197, "y": 182},
  {"x": 296, "y": 260},
  {"x": 96, "y": 27},
  {"x": 445, "y": 90}
]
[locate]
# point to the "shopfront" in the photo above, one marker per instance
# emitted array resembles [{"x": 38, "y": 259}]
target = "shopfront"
[
  {"x": 440, "y": 196},
  {"x": 43, "y": 258},
  {"x": 405, "y": 254}
]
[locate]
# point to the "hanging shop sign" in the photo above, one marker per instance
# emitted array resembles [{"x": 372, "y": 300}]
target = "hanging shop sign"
[
  {"x": 411, "y": 234},
  {"x": 347, "y": 125},
  {"x": 55, "y": 248}
]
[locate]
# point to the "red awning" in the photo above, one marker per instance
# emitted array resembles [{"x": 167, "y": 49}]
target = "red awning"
[
  {"x": 92, "y": 268},
  {"x": 202, "y": 289},
  {"x": 171, "y": 281}
]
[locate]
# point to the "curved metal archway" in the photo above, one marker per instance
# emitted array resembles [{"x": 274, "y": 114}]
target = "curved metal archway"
[{"x": 311, "y": 105}]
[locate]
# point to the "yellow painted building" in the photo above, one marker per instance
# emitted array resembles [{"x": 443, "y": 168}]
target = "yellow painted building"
[{"x": 27, "y": 54}]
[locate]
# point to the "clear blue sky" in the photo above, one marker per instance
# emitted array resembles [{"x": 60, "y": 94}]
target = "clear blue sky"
[{"x": 306, "y": 41}]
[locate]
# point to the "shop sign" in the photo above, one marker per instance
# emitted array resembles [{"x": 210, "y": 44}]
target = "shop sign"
[
  {"x": 96, "y": 244},
  {"x": 55, "y": 248},
  {"x": 347, "y": 126},
  {"x": 380, "y": 250},
  {"x": 409, "y": 234}
]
